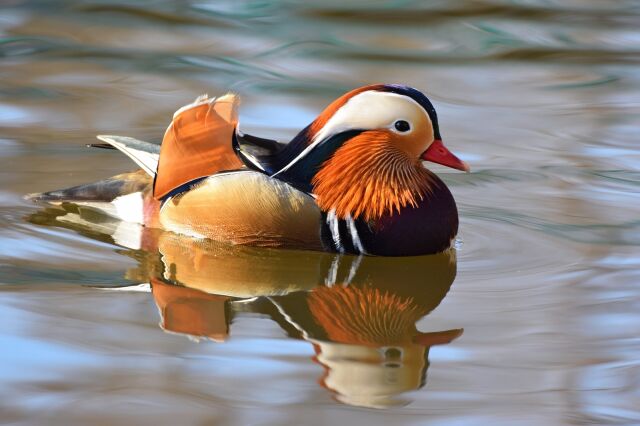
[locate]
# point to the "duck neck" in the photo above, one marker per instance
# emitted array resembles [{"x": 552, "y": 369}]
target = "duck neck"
[{"x": 298, "y": 168}]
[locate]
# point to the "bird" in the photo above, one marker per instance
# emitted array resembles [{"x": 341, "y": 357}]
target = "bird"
[{"x": 353, "y": 181}]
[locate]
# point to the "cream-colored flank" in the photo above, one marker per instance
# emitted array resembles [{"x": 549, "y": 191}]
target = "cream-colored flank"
[{"x": 245, "y": 207}]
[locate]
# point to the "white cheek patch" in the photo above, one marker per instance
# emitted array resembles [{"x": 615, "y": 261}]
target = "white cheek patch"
[{"x": 367, "y": 111}]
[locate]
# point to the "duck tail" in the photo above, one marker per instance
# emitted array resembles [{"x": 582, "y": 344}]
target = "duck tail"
[
  {"x": 105, "y": 190},
  {"x": 126, "y": 196},
  {"x": 144, "y": 154}
]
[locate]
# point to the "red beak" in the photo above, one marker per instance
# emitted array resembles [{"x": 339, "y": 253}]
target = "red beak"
[{"x": 438, "y": 153}]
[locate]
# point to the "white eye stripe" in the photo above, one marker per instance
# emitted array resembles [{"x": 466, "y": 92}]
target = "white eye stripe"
[
  {"x": 370, "y": 110},
  {"x": 367, "y": 110}
]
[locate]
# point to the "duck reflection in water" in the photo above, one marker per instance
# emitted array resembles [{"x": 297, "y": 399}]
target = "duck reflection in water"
[{"x": 359, "y": 313}]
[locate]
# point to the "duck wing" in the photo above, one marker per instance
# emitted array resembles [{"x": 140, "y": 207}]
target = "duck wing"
[
  {"x": 255, "y": 152},
  {"x": 198, "y": 144}
]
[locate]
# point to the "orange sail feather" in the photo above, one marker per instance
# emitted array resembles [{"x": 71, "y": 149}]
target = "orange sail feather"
[{"x": 198, "y": 143}]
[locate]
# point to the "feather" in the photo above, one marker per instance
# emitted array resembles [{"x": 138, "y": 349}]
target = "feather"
[
  {"x": 198, "y": 144},
  {"x": 368, "y": 178},
  {"x": 126, "y": 196},
  {"x": 144, "y": 154}
]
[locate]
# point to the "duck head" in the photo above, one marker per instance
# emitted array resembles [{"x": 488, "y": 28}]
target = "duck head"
[{"x": 363, "y": 155}]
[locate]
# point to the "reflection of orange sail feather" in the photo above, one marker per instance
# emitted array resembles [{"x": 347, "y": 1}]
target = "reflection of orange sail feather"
[
  {"x": 365, "y": 316},
  {"x": 198, "y": 143},
  {"x": 191, "y": 312}
]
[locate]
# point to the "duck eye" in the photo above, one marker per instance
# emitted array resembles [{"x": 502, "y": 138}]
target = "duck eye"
[{"x": 402, "y": 126}]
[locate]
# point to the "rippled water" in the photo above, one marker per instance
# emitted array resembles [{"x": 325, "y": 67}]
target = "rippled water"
[{"x": 534, "y": 319}]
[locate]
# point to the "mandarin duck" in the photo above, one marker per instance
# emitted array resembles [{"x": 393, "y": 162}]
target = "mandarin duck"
[{"x": 351, "y": 182}]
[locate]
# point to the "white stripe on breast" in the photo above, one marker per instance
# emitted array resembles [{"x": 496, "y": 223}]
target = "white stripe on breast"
[
  {"x": 355, "y": 237},
  {"x": 332, "y": 221}
]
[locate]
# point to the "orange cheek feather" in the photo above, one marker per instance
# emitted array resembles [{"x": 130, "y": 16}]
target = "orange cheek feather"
[{"x": 371, "y": 176}]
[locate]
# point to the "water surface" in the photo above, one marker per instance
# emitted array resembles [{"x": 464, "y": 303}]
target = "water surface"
[{"x": 532, "y": 319}]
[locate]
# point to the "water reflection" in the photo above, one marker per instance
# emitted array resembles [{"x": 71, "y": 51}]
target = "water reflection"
[{"x": 358, "y": 313}]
